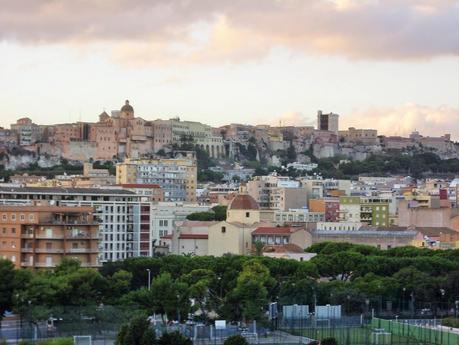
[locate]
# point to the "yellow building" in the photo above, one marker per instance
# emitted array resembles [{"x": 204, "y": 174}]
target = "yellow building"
[
  {"x": 234, "y": 235},
  {"x": 177, "y": 176}
]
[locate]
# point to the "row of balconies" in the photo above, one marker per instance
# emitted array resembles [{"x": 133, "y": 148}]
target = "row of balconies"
[
  {"x": 59, "y": 250},
  {"x": 54, "y": 264}
]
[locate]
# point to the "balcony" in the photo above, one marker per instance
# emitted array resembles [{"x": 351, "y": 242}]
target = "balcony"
[
  {"x": 81, "y": 250},
  {"x": 27, "y": 250},
  {"x": 82, "y": 235},
  {"x": 51, "y": 237},
  {"x": 24, "y": 235},
  {"x": 49, "y": 250},
  {"x": 26, "y": 264}
]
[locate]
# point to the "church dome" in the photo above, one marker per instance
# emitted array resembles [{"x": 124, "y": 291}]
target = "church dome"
[
  {"x": 243, "y": 202},
  {"x": 127, "y": 107}
]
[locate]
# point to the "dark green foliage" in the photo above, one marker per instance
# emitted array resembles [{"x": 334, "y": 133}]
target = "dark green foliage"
[
  {"x": 56, "y": 341},
  {"x": 218, "y": 213},
  {"x": 202, "y": 216},
  {"x": 328, "y": 341},
  {"x": 7, "y": 275},
  {"x": 174, "y": 338},
  {"x": 236, "y": 340},
  {"x": 137, "y": 332}
]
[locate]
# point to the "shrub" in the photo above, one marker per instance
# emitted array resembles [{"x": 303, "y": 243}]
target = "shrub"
[
  {"x": 57, "y": 341},
  {"x": 450, "y": 322},
  {"x": 329, "y": 341},
  {"x": 174, "y": 338},
  {"x": 236, "y": 340}
]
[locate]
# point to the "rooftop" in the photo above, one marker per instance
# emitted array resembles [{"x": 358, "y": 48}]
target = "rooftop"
[
  {"x": 243, "y": 202},
  {"x": 273, "y": 231},
  {"x": 61, "y": 190}
]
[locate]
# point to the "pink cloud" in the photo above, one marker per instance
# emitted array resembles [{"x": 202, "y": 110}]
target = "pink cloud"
[
  {"x": 165, "y": 31},
  {"x": 404, "y": 119}
]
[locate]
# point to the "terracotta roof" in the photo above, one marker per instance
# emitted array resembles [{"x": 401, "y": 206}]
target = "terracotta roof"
[
  {"x": 285, "y": 248},
  {"x": 193, "y": 236},
  {"x": 243, "y": 202},
  {"x": 195, "y": 223},
  {"x": 272, "y": 230}
]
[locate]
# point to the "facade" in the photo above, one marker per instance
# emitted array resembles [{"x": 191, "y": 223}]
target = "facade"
[
  {"x": 40, "y": 235},
  {"x": 327, "y": 122},
  {"x": 115, "y": 208},
  {"x": 27, "y": 131},
  {"x": 177, "y": 177},
  {"x": 369, "y": 210},
  {"x": 165, "y": 215},
  {"x": 273, "y": 237},
  {"x": 383, "y": 239},
  {"x": 298, "y": 216},
  {"x": 202, "y": 135},
  {"x": 360, "y": 136}
]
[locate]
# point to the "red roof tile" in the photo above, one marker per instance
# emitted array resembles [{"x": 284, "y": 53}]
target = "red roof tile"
[
  {"x": 243, "y": 202},
  {"x": 272, "y": 231}
]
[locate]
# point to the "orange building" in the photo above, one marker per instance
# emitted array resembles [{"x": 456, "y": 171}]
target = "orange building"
[{"x": 41, "y": 235}]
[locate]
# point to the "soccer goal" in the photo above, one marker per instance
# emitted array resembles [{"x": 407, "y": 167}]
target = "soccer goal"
[
  {"x": 82, "y": 340},
  {"x": 381, "y": 337}
]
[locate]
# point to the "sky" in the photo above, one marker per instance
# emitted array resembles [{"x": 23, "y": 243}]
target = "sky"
[{"x": 386, "y": 64}]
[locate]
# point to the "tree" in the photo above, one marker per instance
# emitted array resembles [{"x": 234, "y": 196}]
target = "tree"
[
  {"x": 201, "y": 216},
  {"x": 6, "y": 285},
  {"x": 236, "y": 340},
  {"x": 291, "y": 153},
  {"x": 137, "y": 332},
  {"x": 329, "y": 341},
  {"x": 258, "y": 248},
  {"x": 220, "y": 212},
  {"x": 174, "y": 338}
]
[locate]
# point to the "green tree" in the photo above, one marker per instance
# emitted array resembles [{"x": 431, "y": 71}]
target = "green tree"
[
  {"x": 201, "y": 216},
  {"x": 7, "y": 275},
  {"x": 174, "y": 338},
  {"x": 236, "y": 340},
  {"x": 137, "y": 332},
  {"x": 220, "y": 212},
  {"x": 328, "y": 341}
]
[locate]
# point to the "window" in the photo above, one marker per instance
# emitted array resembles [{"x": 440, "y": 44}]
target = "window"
[
  {"x": 13, "y": 216},
  {"x": 13, "y": 230},
  {"x": 223, "y": 229},
  {"x": 247, "y": 214},
  {"x": 31, "y": 217},
  {"x": 22, "y": 217}
]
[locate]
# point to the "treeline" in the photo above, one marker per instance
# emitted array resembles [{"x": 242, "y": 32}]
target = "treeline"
[
  {"x": 414, "y": 164},
  {"x": 240, "y": 287}
]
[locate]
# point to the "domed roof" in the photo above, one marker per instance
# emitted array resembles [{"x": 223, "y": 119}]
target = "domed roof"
[
  {"x": 127, "y": 107},
  {"x": 243, "y": 202}
]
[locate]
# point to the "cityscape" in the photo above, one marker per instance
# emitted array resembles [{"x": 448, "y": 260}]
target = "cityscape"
[{"x": 235, "y": 222}]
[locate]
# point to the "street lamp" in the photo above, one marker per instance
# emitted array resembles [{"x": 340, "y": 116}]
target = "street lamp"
[{"x": 149, "y": 278}]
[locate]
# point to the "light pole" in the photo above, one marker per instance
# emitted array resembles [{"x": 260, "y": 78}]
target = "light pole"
[{"x": 149, "y": 278}]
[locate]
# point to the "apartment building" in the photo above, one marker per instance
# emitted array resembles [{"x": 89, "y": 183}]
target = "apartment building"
[
  {"x": 277, "y": 192},
  {"x": 298, "y": 216},
  {"x": 177, "y": 177},
  {"x": 368, "y": 210},
  {"x": 119, "y": 212},
  {"x": 41, "y": 235},
  {"x": 165, "y": 215}
]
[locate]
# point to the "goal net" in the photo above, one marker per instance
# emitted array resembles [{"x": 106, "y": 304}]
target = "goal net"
[{"x": 82, "y": 340}]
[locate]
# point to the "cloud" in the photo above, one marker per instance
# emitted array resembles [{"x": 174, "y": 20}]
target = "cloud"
[
  {"x": 291, "y": 119},
  {"x": 404, "y": 119},
  {"x": 173, "y": 31}
]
